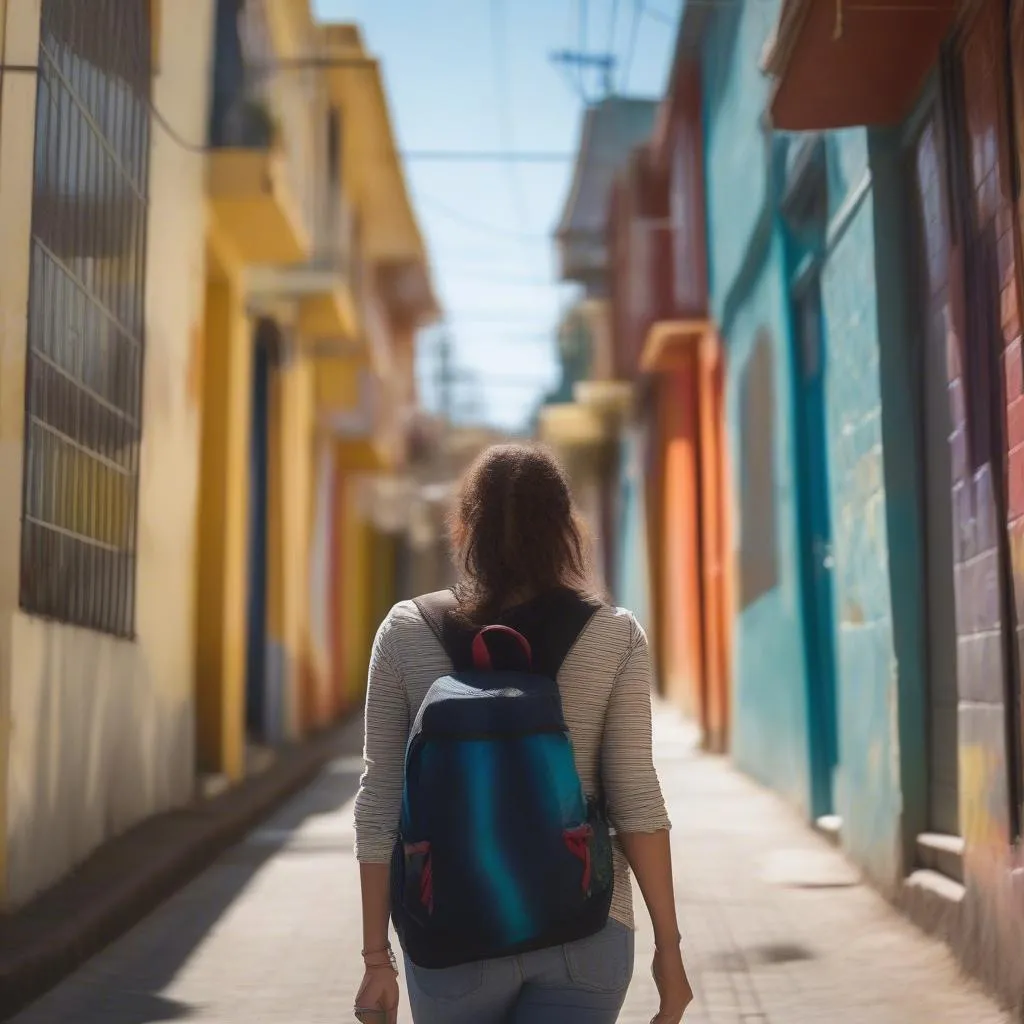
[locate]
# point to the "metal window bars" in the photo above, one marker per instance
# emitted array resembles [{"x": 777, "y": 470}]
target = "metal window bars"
[{"x": 83, "y": 389}]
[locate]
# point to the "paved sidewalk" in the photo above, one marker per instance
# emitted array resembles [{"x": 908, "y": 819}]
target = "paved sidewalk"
[
  {"x": 130, "y": 875},
  {"x": 776, "y": 926}
]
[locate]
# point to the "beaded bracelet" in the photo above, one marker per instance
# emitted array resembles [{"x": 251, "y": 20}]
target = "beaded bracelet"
[{"x": 372, "y": 959}]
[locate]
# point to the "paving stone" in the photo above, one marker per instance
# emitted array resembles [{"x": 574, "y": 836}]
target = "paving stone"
[{"x": 270, "y": 933}]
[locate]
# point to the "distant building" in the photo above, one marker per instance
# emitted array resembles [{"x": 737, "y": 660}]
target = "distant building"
[{"x": 584, "y": 425}]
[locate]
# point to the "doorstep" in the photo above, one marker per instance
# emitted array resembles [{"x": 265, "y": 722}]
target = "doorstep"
[{"x": 126, "y": 878}]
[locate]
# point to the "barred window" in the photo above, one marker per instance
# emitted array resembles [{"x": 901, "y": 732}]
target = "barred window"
[{"x": 83, "y": 388}]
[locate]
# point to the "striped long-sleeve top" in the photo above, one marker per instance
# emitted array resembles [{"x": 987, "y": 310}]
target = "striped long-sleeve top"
[{"x": 605, "y": 683}]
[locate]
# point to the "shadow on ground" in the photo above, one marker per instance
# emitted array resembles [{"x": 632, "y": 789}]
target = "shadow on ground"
[{"x": 126, "y": 982}]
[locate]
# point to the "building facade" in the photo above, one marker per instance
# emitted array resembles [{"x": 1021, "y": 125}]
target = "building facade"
[
  {"x": 211, "y": 291},
  {"x": 103, "y": 219},
  {"x": 583, "y": 420},
  {"x": 666, "y": 346},
  {"x": 940, "y": 91},
  {"x": 779, "y": 439}
]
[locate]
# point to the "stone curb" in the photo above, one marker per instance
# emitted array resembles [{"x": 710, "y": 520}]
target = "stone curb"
[{"x": 132, "y": 874}]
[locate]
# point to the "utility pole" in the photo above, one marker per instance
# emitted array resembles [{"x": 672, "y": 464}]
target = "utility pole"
[
  {"x": 603, "y": 62},
  {"x": 445, "y": 376}
]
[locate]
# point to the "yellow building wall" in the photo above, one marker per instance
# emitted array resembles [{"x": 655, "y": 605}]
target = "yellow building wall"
[
  {"x": 289, "y": 526},
  {"x": 17, "y": 131},
  {"x": 102, "y": 728},
  {"x": 221, "y": 573},
  {"x": 337, "y": 382},
  {"x": 298, "y": 491}
]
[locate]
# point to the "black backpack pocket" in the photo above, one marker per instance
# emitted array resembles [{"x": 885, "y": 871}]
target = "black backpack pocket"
[{"x": 412, "y": 884}]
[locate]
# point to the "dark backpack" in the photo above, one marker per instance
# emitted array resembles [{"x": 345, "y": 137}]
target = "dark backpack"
[{"x": 499, "y": 850}]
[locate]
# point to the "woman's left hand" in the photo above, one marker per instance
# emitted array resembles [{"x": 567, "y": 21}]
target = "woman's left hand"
[
  {"x": 673, "y": 985},
  {"x": 379, "y": 991}
]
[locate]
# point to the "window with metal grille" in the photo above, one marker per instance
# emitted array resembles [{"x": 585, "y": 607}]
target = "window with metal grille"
[{"x": 83, "y": 388}]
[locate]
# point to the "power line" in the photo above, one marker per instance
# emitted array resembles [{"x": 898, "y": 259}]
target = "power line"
[
  {"x": 504, "y": 106},
  {"x": 583, "y": 44},
  {"x": 667, "y": 19},
  {"x": 497, "y": 379},
  {"x": 603, "y": 61},
  {"x": 638, "y": 12},
  {"x": 489, "y": 156},
  {"x": 502, "y": 320},
  {"x": 460, "y": 218},
  {"x": 509, "y": 282},
  {"x": 612, "y": 25}
]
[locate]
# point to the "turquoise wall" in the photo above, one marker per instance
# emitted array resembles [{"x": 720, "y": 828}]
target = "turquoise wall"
[
  {"x": 745, "y": 175},
  {"x": 868, "y": 791},
  {"x": 746, "y": 262},
  {"x": 770, "y": 731}
]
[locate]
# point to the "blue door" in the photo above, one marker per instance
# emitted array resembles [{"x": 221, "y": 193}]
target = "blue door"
[
  {"x": 815, "y": 523},
  {"x": 256, "y": 653}
]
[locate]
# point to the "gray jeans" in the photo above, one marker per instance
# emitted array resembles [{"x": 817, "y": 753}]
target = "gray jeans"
[{"x": 583, "y": 982}]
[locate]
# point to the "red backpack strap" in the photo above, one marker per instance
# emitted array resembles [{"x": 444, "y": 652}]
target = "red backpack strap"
[{"x": 482, "y": 654}]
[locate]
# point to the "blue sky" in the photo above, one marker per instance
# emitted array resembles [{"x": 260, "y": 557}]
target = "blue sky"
[{"x": 457, "y": 83}]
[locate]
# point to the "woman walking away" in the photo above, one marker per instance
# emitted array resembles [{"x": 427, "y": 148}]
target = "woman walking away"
[{"x": 508, "y": 785}]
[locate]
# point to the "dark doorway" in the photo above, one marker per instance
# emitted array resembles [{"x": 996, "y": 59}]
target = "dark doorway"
[
  {"x": 929, "y": 239},
  {"x": 265, "y": 344}
]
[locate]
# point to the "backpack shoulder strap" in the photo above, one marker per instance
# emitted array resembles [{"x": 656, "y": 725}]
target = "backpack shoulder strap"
[
  {"x": 573, "y": 616},
  {"x": 553, "y": 624},
  {"x": 434, "y": 608}
]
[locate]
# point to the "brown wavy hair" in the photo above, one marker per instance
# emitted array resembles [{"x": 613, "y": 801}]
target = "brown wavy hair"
[{"x": 515, "y": 531}]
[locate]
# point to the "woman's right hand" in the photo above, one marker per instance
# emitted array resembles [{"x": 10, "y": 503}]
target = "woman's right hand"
[
  {"x": 379, "y": 991},
  {"x": 673, "y": 985}
]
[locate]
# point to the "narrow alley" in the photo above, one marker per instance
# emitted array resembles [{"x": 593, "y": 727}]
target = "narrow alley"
[{"x": 776, "y": 926}]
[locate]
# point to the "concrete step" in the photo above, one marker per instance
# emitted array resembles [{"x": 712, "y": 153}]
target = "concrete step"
[
  {"x": 831, "y": 827},
  {"x": 941, "y": 853},
  {"x": 934, "y": 902}
]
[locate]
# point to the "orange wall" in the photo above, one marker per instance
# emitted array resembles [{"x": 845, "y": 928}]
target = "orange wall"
[
  {"x": 681, "y": 584},
  {"x": 714, "y": 548}
]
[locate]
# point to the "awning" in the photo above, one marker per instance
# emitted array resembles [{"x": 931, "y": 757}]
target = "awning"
[
  {"x": 609, "y": 398},
  {"x": 841, "y": 63},
  {"x": 669, "y": 340},
  {"x": 571, "y": 425}
]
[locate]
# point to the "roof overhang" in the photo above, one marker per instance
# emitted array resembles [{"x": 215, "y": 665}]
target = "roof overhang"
[
  {"x": 670, "y": 340},
  {"x": 572, "y": 425},
  {"x": 611, "y": 399},
  {"x": 612, "y": 129},
  {"x": 322, "y": 294},
  {"x": 843, "y": 63}
]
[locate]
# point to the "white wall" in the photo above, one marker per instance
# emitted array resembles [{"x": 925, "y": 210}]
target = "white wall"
[{"x": 102, "y": 730}]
